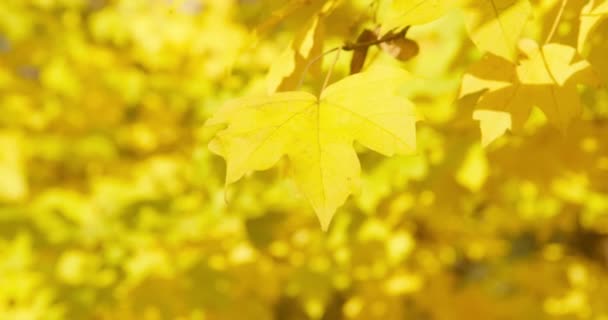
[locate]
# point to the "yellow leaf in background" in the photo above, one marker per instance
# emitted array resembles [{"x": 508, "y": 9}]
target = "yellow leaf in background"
[
  {"x": 303, "y": 54},
  {"x": 474, "y": 169},
  {"x": 13, "y": 183},
  {"x": 317, "y": 134},
  {"x": 495, "y": 25},
  {"x": 491, "y": 73},
  {"x": 398, "y": 14},
  {"x": 591, "y": 15},
  {"x": 551, "y": 74},
  {"x": 546, "y": 78},
  {"x": 500, "y": 107},
  {"x": 493, "y": 124}
]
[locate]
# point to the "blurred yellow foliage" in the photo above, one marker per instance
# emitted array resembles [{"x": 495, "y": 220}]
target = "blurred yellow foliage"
[{"x": 112, "y": 206}]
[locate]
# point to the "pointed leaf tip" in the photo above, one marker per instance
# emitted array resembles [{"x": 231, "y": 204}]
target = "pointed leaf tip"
[{"x": 325, "y": 221}]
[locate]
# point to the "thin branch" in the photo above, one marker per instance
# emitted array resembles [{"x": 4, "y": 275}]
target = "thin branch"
[{"x": 557, "y": 20}]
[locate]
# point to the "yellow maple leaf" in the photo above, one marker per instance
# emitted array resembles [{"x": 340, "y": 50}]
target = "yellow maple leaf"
[
  {"x": 495, "y": 25},
  {"x": 317, "y": 134},
  {"x": 546, "y": 77}
]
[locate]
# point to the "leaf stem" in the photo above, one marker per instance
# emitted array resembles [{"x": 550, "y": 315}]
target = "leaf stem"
[
  {"x": 328, "y": 75},
  {"x": 311, "y": 62},
  {"x": 557, "y": 20}
]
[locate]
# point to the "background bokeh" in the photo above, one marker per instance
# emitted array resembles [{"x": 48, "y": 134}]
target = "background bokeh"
[{"x": 112, "y": 207}]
